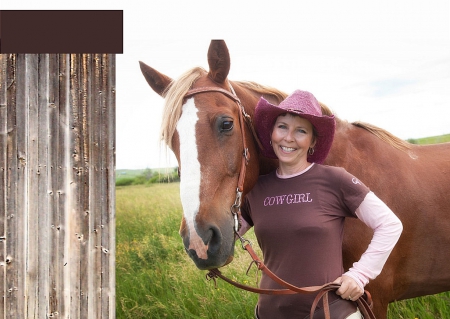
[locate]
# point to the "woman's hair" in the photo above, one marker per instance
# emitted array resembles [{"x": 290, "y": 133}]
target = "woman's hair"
[{"x": 315, "y": 135}]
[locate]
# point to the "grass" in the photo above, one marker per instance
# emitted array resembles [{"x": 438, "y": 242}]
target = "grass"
[
  {"x": 428, "y": 307},
  {"x": 156, "y": 279}
]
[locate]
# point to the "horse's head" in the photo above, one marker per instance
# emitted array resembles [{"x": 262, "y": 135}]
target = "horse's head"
[{"x": 205, "y": 133}]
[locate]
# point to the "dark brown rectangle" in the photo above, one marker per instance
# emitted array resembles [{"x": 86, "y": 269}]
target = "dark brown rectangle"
[{"x": 61, "y": 31}]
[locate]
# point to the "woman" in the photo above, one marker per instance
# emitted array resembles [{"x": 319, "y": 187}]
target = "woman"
[{"x": 298, "y": 212}]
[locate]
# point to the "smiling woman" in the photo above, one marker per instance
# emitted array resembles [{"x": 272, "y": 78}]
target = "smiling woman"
[{"x": 311, "y": 228}]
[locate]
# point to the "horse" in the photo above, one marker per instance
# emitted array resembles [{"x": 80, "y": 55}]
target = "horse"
[{"x": 207, "y": 135}]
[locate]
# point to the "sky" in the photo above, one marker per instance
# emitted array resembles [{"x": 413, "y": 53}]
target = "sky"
[{"x": 382, "y": 62}]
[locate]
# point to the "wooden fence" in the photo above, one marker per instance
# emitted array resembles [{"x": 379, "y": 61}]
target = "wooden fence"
[{"x": 57, "y": 198}]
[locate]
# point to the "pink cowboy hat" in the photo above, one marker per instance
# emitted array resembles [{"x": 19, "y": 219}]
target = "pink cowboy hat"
[{"x": 303, "y": 104}]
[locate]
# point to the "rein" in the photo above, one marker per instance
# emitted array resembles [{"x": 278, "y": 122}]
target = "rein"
[{"x": 364, "y": 302}]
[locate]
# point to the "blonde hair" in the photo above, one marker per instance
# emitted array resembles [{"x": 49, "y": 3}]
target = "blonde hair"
[{"x": 384, "y": 135}]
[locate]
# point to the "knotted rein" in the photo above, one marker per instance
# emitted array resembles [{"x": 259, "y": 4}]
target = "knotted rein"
[{"x": 364, "y": 302}]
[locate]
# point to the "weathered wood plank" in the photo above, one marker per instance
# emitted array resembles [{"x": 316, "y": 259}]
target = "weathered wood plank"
[
  {"x": 19, "y": 209},
  {"x": 62, "y": 208},
  {"x": 109, "y": 264},
  {"x": 108, "y": 187},
  {"x": 44, "y": 209},
  {"x": 103, "y": 250},
  {"x": 55, "y": 263},
  {"x": 95, "y": 225},
  {"x": 12, "y": 303},
  {"x": 85, "y": 109},
  {"x": 74, "y": 234},
  {"x": 31, "y": 207},
  {"x": 3, "y": 172}
]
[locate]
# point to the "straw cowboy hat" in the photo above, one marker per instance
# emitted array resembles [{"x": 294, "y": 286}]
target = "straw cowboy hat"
[{"x": 305, "y": 105}]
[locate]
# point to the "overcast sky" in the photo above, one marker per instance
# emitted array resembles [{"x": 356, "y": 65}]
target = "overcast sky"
[{"x": 383, "y": 62}]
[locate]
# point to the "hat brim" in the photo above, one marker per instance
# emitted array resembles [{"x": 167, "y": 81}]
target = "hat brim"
[{"x": 265, "y": 115}]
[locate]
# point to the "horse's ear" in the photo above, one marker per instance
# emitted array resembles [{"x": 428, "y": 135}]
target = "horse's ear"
[
  {"x": 157, "y": 81},
  {"x": 218, "y": 60}
]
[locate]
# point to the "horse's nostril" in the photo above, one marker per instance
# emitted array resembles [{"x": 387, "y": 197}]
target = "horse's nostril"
[{"x": 215, "y": 240}]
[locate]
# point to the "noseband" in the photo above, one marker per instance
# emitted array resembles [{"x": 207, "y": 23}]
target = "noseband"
[{"x": 235, "y": 208}]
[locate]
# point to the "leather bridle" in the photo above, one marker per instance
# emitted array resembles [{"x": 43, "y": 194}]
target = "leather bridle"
[
  {"x": 235, "y": 208},
  {"x": 364, "y": 302}
]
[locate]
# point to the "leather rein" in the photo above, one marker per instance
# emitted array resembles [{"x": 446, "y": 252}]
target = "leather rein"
[{"x": 364, "y": 302}]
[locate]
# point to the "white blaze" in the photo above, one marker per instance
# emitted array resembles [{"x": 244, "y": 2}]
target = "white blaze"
[{"x": 190, "y": 176}]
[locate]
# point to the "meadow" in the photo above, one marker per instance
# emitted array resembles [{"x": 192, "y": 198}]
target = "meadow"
[{"x": 156, "y": 279}]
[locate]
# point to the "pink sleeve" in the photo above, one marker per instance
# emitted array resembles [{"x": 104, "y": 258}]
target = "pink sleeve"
[{"x": 387, "y": 229}]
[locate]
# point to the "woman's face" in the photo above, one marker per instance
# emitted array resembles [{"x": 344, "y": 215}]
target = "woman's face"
[{"x": 292, "y": 136}]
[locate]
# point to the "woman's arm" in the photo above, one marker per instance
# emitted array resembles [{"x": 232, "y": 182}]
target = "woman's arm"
[{"x": 387, "y": 229}]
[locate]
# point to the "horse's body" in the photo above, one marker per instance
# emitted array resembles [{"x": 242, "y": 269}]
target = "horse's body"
[{"x": 414, "y": 181}]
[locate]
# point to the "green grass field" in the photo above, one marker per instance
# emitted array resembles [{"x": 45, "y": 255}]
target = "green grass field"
[
  {"x": 156, "y": 279},
  {"x": 154, "y": 276}
]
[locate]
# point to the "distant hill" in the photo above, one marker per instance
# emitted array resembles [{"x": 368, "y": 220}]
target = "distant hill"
[
  {"x": 430, "y": 140},
  {"x": 129, "y": 172},
  {"x": 137, "y": 172}
]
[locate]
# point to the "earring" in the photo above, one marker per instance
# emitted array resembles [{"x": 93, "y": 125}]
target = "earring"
[
  {"x": 270, "y": 142},
  {"x": 310, "y": 151}
]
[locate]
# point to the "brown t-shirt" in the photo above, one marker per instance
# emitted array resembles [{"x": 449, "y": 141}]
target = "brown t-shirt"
[{"x": 299, "y": 226}]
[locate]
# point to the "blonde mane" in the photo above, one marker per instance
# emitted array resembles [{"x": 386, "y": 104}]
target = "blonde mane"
[
  {"x": 385, "y": 136},
  {"x": 174, "y": 96},
  {"x": 325, "y": 109},
  {"x": 263, "y": 90}
]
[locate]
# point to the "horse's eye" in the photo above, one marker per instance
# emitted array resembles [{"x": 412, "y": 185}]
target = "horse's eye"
[{"x": 227, "y": 125}]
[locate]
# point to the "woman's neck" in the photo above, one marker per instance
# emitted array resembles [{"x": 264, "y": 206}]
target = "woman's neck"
[{"x": 287, "y": 170}]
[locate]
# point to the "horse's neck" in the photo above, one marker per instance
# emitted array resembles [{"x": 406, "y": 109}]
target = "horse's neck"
[
  {"x": 267, "y": 165},
  {"x": 342, "y": 152}
]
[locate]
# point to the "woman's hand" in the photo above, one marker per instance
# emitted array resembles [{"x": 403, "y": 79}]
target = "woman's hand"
[{"x": 349, "y": 288}]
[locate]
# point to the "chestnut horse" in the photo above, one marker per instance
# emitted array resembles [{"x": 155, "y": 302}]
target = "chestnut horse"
[{"x": 205, "y": 133}]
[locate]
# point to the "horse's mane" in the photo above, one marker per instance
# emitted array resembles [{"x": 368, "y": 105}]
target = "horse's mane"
[
  {"x": 263, "y": 90},
  {"x": 176, "y": 91},
  {"x": 384, "y": 136},
  {"x": 325, "y": 109}
]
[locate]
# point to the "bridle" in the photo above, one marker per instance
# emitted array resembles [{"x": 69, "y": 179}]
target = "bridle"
[{"x": 364, "y": 302}]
